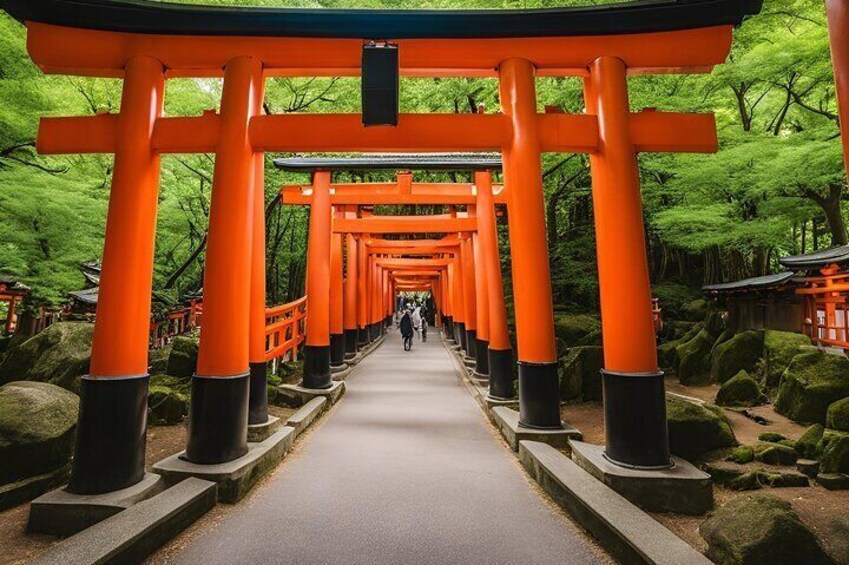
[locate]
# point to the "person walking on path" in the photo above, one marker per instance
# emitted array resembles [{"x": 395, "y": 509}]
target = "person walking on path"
[
  {"x": 417, "y": 319},
  {"x": 423, "y": 314},
  {"x": 407, "y": 330}
]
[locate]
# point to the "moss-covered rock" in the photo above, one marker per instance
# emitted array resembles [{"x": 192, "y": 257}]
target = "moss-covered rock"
[
  {"x": 695, "y": 311},
  {"x": 837, "y": 415},
  {"x": 166, "y": 406},
  {"x": 694, "y": 359},
  {"x": 742, "y": 455},
  {"x": 674, "y": 298},
  {"x": 833, "y": 451},
  {"x": 573, "y": 327},
  {"x": 157, "y": 360},
  {"x": 694, "y": 430},
  {"x": 760, "y": 530},
  {"x": 183, "y": 359},
  {"x": 810, "y": 384},
  {"x": 741, "y": 390},
  {"x": 580, "y": 377},
  {"x": 59, "y": 355},
  {"x": 742, "y": 352},
  {"x": 667, "y": 355},
  {"x": 37, "y": 423},
  {"x": 771, "y": 436},
  {"x": 779, "y": 349},
  {"x": 592, "y": 338},
  {"x": 775, "y": 453},
  {"x": 808, "y": 444}
]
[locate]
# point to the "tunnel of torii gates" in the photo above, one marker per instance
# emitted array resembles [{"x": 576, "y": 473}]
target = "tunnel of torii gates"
[{"x": 146, "y": 43}]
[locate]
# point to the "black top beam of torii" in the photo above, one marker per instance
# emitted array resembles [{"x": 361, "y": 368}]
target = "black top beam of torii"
[
  {"x": 145, "y": 16},
  {"x": 393, "y": 162}
]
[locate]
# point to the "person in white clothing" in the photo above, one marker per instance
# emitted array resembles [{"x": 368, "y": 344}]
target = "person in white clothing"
[{"x": 417, "y": 319}]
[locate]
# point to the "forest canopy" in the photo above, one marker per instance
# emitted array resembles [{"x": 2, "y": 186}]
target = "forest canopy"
[{"x": 776, "y": 187}]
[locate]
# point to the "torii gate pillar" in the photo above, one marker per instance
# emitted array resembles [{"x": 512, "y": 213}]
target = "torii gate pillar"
[{"x": 317, "y": 345}]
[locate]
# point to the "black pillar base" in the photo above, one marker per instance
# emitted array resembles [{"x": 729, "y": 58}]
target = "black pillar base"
[
  {"x": 362, "y": 336},
  {"x": 635, "y": 420},
  {"x": 448, "y": 327},
  {"x": 258, "y": 404},
  {"x": 111, "y": 434},
  {"x": 501, "y": 374},
  {"x": 351, "y": 345},
  {"x": 482, "y": 357},
  {"x": 317, "y": 367},
  {"x": 539, "y": 396},
  {"x": 218, "y": 419},
  {"x": 472, "y": 343},
  {"x": 337, "y": 350},
  {"x": 461, "y": 335}
]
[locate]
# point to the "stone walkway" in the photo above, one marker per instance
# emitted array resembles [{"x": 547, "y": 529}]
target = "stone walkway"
[{"x": 405, "y": 469}]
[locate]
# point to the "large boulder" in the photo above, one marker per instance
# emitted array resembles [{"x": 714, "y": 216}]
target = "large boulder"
[
  {"x": 837, "y": 415},
  {"x": 694, "y": 359},
  {"x": 573, "y": 327},
  {"x": 157, "y": 360},
  {"x": 183, "y": 359},
  {"x": 167, "y": 400},
  {"x": 580, "y": 374},
  {"x": 696, "y": 310},
  {"x": 37, "y": 423},
  {"x": 696, "y": 429},
  {"x": 808, "y": 444},
  {"x": 813, "y": 381},
  {"x": 741, "y": 390},
  {"x": 742, "y": 352},
  {"x": 59, "y": 355},
  {"x": 779, "y": 349},
  {"x": 760, "y": 530},
  {"x": 833, "y": 450}
]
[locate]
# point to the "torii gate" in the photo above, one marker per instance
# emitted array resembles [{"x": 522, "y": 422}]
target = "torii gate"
[{"x": 147, "y": 42}]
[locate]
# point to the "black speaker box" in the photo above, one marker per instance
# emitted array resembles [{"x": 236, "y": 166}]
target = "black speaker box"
[{"x": 380, "y": 85}]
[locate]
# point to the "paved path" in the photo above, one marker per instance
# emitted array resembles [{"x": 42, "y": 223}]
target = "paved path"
[{"x": 404, "y": 470}]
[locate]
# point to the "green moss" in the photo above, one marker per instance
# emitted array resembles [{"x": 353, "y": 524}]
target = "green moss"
[
  {"x": 37, "y": 423},
  {"x": 771, "y": 436},
  {"x": 739, "y": 353},
  {"x": 834, "y": 452},
  {"x": 580, "y": 374},
  {"x": 183, "y": 359},
  {"x": 157, "y": 360},
  {"x": 166, "y": 406},
  {"x": 741, "y": 390},
  {"x": 59, "y": 355},
  {"x": 694, "y": 359},
  {"x": 674, "y": 298},
  {"x": 695, "y": 311},
  {"x": 779, "y": 349},
  {"x": 775, "y": 454},
  {"x": 810, "y": 384},
  {"x": 807, "y": 445},
  {"x": 694, "y": 430},
  {"x": 742, "y": 455},
  {"x": 573, "y": 327},
  {"x": 760, "y": 530},
  {"x": 837, "y": 416}
]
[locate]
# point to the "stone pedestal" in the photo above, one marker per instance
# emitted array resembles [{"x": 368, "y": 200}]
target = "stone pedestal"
[
  {"x": 261, "y": 432},
  {"x": 507, "y": 421},
  {"x": 296, "y": 395},
  {"x": 681, "y": 488}
]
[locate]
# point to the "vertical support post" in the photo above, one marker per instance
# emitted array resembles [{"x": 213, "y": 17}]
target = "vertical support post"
[
  {"x": 634, "y": 399},
  {"x": 469, "y": 296},
  {"x": 500, "y": 350},
  {"x": 337, "y": 331},
  {"x": 112, "y": 425},
  {"x": 838, "y": 32},
  {"x": 218, "y": 418},
  {"x": 459, "y": 302},
  {"x": 539, "y": 398},
  {"x": 10, "y": 316},
  {"x": 350, "y": 308},
  {"x": 317, "y": 346},
  {"x": 481, "y": 308},
  {"x": 258, "y": 401},
  {"x": 362, "y": 292}
]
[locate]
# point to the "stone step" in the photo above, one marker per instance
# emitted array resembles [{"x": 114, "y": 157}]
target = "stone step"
[
  {"x": 628, "y": 533},
  {"x": 133, "y": 534},
  {"x": 305, "y": 415}
]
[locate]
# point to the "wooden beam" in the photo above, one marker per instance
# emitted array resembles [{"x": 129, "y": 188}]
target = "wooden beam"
[{"x": 404, "y": 224}]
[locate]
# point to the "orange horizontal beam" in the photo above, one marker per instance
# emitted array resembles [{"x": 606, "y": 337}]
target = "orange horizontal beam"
[
  {"x": 447, "y": 241},
  {"x": 416, "y": 273},
  {"x": 389, "y": 193},
  {"x": 64, "y": 50},
  {"x": 390, "y": 263},
  {"x": 404, "y": 224},
  {"x": 668, "y": 132},
  {"x": 79, "y": 135}
]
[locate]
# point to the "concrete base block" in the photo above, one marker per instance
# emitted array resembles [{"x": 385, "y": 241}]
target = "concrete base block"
[
  {"x": 301, "y": 419},
  {"x": 261, "y": 432},
  {"x": 12, "y": 494},
  {"x": 234, "y": 478},
  {"x": 507, "y": 421},
  {"x": 134, "y": 534},
  {"x": 628, "y": 533},
  {"x": 334, "y": 369},
  {"x": 60, "y": 513},
  {"x": 469, "y": 362},
  {"x": 296, "y": 395},
  {"x": 342, "y": 375},
  {"x": 682, "y": 488}
]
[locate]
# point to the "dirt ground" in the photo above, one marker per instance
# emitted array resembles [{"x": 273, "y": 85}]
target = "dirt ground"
[
  {"x": 17, "y": 547},
  {"x": 815, "y": 506}
]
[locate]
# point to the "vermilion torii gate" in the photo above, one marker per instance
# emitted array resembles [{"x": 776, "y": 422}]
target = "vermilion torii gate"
[{"x": 146, "y": 43}]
